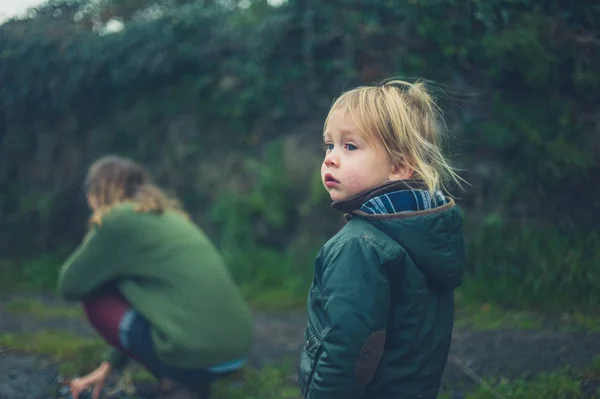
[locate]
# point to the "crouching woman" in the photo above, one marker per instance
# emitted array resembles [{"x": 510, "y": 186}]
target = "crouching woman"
[{"x": 153, "y": 285}]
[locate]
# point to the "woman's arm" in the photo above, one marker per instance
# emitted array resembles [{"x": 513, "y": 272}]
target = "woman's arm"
[{"x": 98, "y": 260}]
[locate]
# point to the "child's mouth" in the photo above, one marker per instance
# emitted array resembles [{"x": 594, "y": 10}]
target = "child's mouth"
[{"x": 330, "y": 181}]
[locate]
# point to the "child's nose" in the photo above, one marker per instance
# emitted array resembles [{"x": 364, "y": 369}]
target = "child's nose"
[{"x": 331, "y": 159}]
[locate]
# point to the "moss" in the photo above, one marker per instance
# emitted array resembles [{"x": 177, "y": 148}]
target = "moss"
[
  {"x": 489, "y": 317},
  {"x": 75, "y": 354},
  {"x": 40, "y": 309}
]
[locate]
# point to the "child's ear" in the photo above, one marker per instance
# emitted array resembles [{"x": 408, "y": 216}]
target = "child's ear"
[{"x": 401, "y": 171}]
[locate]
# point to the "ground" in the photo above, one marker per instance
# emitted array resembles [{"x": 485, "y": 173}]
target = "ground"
[{"x": 34, "y": 329}]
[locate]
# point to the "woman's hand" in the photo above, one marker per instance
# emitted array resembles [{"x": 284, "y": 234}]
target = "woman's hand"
[{"x": 94, "y": 380}]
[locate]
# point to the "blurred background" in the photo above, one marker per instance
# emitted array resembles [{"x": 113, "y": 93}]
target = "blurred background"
[{"x": 224, "y": 102}]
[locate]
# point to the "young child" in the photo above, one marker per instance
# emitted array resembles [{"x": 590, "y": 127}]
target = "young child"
[
  {"x": 381, "y": 303},
  {"x": 153, "y": 285}
]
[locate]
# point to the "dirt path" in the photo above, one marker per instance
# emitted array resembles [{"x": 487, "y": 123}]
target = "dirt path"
[{"x": 279, "y": 336}]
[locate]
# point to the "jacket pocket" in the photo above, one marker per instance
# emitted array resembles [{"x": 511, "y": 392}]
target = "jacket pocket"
[{"x": 311, "y": 351}]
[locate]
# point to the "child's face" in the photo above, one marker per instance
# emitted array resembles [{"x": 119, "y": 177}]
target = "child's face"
[{"x": 351, "y": 165}]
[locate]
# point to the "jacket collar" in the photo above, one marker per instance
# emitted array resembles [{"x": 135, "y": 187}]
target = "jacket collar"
[{"x": 355, "y": 202}]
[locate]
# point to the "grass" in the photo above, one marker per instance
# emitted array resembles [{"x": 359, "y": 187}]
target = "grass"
[
  {"x": 41, "y": 276},
  {"x": 485, "y": 316},
  {"x": 34, "y": 275},
  {"x": 532, "y": 265},
  {"x": 562, "y": 384},
  {"x": 586, "y": 321},
  {"x": 274, "y": 299},
  {"x": 271, "y": 382},
  {"x": 470, "y": 314},
  {"x": 12, "y": 278},
  {"x": 78, "y": 355},
  {"x": 39, "y": 309},
  {"x": 74, "y": 353},
  {"x": 276, "y": 381}
]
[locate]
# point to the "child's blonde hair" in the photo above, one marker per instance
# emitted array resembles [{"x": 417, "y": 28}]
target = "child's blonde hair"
[{"x": 405, "y": 119}]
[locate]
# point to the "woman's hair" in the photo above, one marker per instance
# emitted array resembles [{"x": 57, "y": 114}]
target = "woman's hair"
[
  {"x": 112, "y": 180},
  {"x": 405, "y": 119}
]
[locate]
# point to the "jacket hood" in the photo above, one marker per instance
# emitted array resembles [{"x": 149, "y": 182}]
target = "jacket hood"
[{"x": 432, "y": 238}]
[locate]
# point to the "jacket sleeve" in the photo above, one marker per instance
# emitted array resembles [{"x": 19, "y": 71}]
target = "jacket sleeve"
[
  {"x": 95, "y": 262},
  {"x": 116, "y": 359},
  {"x": 356, "y": 301}
]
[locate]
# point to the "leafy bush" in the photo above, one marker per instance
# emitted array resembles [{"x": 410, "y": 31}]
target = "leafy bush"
[
  {"x": 199, "y": 93},
  {"x": 519, "y": 265}
]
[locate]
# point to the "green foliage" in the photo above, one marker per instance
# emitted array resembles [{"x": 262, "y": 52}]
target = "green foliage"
[
  {"x": 199, "y": 92},
  {"x": 36, "y": 274},
  {"x": 262, "y": 233},
  {"x": 516, "y": 264},
  {"x": 41, "y": 272}
]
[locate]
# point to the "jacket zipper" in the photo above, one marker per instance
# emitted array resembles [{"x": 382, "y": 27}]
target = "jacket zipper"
[{"x": 316, "y": 357}]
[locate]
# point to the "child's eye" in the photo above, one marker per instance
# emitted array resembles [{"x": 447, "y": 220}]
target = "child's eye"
[
  {"x": 328, "y": 146},
  {"x": 351, "y": 147}
]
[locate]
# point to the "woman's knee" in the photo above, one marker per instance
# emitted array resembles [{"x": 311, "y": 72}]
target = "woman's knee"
[{"x": 105, "y": 314}]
